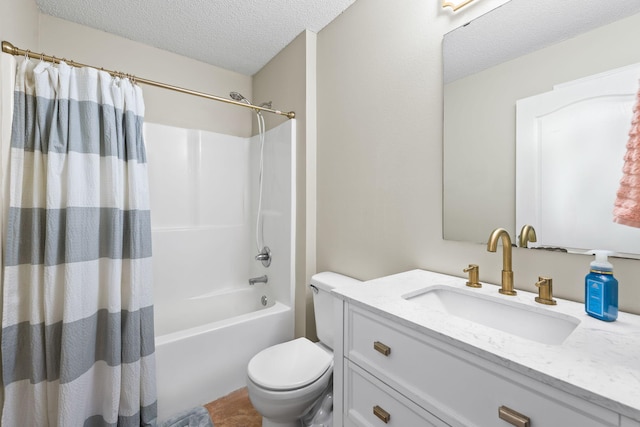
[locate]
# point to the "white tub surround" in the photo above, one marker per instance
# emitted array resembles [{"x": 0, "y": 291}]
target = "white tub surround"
[
  {"x": 204, "y": 200},
  {"x": 594, "y": 372}
]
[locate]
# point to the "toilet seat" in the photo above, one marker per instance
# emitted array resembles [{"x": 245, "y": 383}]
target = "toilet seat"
[{"x": 289, "y": 366}]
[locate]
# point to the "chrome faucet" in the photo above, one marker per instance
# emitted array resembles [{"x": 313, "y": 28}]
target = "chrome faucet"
[
  {"x": 264, "y": 256},
  {"x": 527, "y": 234},
  {"x": 261, "y": 279},
  {"x": 507, "y": 273}
]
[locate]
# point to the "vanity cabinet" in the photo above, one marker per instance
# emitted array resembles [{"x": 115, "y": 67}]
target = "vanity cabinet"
[{"x": 392, "y": 375}]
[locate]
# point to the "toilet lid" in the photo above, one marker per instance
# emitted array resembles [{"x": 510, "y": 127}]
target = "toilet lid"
[{"x": 289, "y": 365}]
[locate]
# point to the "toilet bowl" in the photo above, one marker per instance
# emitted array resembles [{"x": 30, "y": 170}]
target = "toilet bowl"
[{"x": 285, "y": 380}]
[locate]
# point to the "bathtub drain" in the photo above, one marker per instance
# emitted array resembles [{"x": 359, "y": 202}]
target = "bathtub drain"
[{"x": 263, "y": 300}]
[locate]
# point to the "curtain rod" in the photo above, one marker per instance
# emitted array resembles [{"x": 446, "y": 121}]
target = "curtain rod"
[{"x": 12, "y": 50}]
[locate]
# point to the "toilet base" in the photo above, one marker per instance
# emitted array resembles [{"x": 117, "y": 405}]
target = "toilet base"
[{"x": 271, "y": 423}]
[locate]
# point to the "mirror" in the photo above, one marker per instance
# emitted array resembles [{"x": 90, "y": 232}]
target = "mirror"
[{"x": 520, "y": 50}]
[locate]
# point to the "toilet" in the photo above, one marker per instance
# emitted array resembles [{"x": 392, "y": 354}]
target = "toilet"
[{"x": 285, "y": 380}]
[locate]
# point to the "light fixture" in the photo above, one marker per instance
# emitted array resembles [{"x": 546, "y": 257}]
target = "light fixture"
[{"x": 455, "y": 5}]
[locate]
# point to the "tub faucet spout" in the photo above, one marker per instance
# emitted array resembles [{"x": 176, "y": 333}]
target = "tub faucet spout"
[{"x": 261, "y": 279}]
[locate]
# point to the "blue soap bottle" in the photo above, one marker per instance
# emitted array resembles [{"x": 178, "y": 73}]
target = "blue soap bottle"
[{"x": 601, "y": 289}]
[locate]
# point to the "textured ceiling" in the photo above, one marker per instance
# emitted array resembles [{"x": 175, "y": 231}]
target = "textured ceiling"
[
  {"x": 522, "y": 26},
  {"x": 239, "y": 35}
]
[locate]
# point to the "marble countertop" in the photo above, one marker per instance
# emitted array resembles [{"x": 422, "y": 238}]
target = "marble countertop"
[{"x": 598, "y": 362}]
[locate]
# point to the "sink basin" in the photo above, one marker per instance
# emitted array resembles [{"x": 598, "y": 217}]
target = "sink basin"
[{"x": 514, "y": 318}]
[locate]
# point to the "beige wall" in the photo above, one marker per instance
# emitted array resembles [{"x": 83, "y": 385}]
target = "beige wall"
[
  {"x": 288, "y": 80},
  {"x": 19, "y": 22},
  {"x": 380, "y": 155}
]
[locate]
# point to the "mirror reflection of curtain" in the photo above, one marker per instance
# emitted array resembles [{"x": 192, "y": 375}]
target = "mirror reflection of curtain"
[
  {"x": 627, "y": 205},
  {"x": 77, "y": 321}
]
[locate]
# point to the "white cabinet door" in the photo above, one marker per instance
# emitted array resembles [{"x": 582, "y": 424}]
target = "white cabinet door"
[{"x": 370, "y": 403}]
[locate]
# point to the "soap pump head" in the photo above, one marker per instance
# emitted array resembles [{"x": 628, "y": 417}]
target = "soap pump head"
[{"x": 601, "y": 263}]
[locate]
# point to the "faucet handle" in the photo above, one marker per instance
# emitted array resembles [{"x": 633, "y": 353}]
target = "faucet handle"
[
  {"x": 545, "y": 291},
  {"x": 474, "y": 272}
]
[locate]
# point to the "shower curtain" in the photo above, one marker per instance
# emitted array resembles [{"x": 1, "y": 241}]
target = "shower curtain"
[{"x": 77, "y": 320}]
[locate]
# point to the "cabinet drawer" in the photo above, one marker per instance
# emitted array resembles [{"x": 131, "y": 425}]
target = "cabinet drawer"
[
  {"x": 365, "y": 397},
  {"x": 456, "y": 386}
]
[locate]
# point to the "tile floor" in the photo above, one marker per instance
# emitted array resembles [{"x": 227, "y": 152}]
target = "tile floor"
[{"x": 234, "y": 410}]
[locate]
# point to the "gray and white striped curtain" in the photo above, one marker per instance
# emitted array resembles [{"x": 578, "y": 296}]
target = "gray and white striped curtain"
[{"x": 77, "y": 323}]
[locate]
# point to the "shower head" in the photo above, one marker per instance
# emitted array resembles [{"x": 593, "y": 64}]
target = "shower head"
[{"x": 236, "y": 96}]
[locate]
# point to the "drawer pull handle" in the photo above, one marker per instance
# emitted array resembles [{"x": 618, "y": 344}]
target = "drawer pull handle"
[
  {"x": 378, "y": 346},
  {"x": 381, "y": 413},
  {"x": 513, "y": 417}
]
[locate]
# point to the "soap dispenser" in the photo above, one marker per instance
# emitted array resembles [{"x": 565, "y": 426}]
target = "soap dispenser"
[{"x": 601, "y": 289}]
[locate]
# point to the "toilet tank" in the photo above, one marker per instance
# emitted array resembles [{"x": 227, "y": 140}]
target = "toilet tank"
[{"x": 322, "y": 284}]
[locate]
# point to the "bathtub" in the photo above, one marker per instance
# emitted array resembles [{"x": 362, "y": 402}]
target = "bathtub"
[{"x": 203, "y": 344}]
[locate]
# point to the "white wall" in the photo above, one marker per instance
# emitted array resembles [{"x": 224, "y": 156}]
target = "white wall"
[{"x": 380, "y": 154}]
